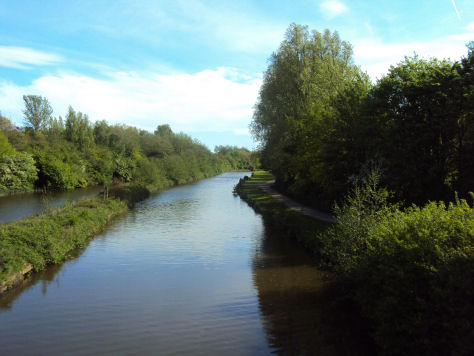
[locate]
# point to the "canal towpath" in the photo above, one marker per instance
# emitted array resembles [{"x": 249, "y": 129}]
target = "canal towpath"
[{"x": 293, "y": 204}]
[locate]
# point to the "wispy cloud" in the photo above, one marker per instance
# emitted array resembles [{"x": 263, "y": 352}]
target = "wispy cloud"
[
  {"x": 470, "y": 26},
  {"x": 24, "y": 58},
  {"x": 333, "y": 8},
  {"x": 209, "y": 100}
]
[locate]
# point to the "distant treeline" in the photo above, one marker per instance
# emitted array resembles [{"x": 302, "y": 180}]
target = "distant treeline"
[
  {"x": 55, "y": 153},
  {"x": 323, "y": 125}
]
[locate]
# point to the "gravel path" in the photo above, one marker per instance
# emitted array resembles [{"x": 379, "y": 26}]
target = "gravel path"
[{"x": 292, "y": 204}]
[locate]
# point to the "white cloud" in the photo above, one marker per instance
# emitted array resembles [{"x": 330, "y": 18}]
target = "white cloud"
[
  {"x": 470, "y": 26},
  {"x": 23, "y": 58},
  {"x": 333, "y": 8},
  {"x": 375, "y": 57},
  {"x": 242, "y": 132},
  {"x": 210, "y": 100}
]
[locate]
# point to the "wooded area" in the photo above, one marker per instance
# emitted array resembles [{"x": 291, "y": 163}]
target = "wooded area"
[
  {"x": 57, "y": 154},
  {"x": 323, "y": 125}
]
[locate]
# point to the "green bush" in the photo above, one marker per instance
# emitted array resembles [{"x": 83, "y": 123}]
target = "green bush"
[
  {"x": 410, "y": 271},
  {"x": 345, "y": 243},
  {"x": 17, "y": 172},
  {"x": 416, "y": 280}
]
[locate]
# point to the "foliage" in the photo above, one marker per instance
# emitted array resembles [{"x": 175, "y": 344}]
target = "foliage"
[
  {"x": 238, "y": 158},
  {"x": 320, "y": 121},
  {"x": 409, "y": 270},
  {"x": 416, "y": 281},
  {"x": 5, "y": 147},
  {"x": 344, "y": 243},
  {"x": 58, "y": 169},
  {"x": 74, "y": 153},
  {"x": 17, "y": 172},
  {"x": 77, "y": 129},
  {"x": 420, "y": 105},
  {"x": 37, "y": 111},
  {"x": 295, "y": 98}
]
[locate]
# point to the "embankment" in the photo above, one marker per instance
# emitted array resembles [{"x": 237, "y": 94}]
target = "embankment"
[
  {"x": 47, "y": 238},
  {"x": 304, "y": 229}
]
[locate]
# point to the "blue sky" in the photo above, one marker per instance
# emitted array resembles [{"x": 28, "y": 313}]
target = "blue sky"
[{"x": 196, "y": 65}]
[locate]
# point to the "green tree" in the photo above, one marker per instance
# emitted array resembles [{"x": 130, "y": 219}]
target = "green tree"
[
  {"x": 5, "y": 147},
  {"x": 78, "y": 129},
  {"x": 37, "y": 111},
  {"x": 465, "y": 141},
  {"x": 295, "y": 99},
  {"x": 419, "y": 104},
  {"x": 163, "y": 130}
]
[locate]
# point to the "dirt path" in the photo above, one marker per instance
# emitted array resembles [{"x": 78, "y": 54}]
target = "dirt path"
[{"x": 292, "y": 204}]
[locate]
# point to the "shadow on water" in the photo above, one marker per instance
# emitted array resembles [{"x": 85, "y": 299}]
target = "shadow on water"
[{"x": 297, "y": 303}]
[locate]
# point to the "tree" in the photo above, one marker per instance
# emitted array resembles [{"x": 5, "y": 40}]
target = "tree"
[
  {"x": 163, "y": 130},
  {"x": 5, "y": 147},
  {"x": 37, "y": 111},
  {"x": 78, "y": 129},
  {"x": 419, "y": 104},
  {"x": 465, "y": 163},
  {"x": 295, "y": 100}
]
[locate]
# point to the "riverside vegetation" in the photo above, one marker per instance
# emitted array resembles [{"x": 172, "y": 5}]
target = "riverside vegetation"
[
  {"x": 53, "y": 153},
  {"x": 50, "y": 153},
  {"x": 371, "y": 152}
]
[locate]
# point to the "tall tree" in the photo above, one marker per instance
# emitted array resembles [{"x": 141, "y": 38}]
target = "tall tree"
[
  {"x": 419, "y": 102},
  {"x": 37, "y": 111},
  {"x": 303, "y": 77}
]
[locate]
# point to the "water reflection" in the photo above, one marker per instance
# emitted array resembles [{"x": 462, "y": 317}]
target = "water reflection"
[
  {"x": 295, "y": 302},
  {"x": 45, "y": 278}
]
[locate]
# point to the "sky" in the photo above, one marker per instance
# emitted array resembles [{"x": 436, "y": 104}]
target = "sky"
[{"x": 197, "y": 65}]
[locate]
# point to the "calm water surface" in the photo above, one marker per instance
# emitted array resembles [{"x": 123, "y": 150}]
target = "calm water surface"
[
  {"x": 20, "y": 206},
  {"x": 192, "y": 270}
]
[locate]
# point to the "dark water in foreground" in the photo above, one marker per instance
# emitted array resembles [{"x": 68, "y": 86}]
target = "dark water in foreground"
[
  {"x": 19, "y": 206},
  {"x": 190, "y": 271}
]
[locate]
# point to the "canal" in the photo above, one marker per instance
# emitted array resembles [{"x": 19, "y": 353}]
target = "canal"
[
  {"x": 19, "y": 206},
  {"x": 192, "y": 270}
]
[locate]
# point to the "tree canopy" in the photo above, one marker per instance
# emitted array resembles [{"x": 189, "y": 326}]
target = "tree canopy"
[{"x": 323, "y": 125}]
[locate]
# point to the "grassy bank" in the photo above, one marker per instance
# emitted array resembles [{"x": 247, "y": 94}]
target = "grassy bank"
[
  {"x": 33, "y": 243},
  {"x": 302, "y": 228}
]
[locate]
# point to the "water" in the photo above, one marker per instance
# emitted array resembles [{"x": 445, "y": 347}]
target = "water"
[
  {"x": 19, "y": 206},
  {"x": 192, "y": 270}
]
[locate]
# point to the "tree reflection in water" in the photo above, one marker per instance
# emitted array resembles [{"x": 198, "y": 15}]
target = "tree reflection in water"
[{"x": 296, "y": 304}]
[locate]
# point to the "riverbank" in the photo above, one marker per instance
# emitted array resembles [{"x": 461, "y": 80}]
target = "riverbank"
[
  {"x": 281, "y": 212},
  {"x": 47, "y": 238}
]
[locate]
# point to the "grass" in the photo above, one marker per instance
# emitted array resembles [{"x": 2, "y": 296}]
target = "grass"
[
  {"x": 259, "y": 177},
  {"x": 302, "y": 228},
  {"x": 47, "y": 238}
]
